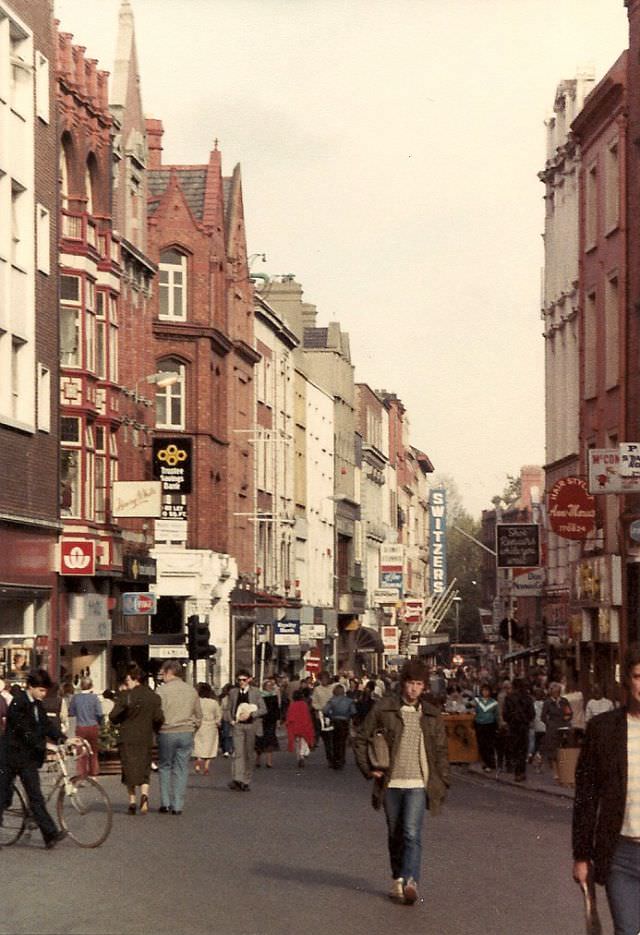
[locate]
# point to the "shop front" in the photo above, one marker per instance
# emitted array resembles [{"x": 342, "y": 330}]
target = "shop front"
[
  {"x": 89, "y": 637},
  {"x": 28, "y": 605}
]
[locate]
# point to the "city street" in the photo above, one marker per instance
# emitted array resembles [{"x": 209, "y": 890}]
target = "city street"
[{"x": 302, "y": 852}]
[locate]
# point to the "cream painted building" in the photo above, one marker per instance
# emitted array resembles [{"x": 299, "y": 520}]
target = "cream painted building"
[{"x": 560, "y": 307}]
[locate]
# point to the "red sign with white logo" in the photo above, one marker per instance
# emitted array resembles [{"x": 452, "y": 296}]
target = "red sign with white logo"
[
  {"x": 77, "y": 557},
  {"x": 571, "y": 508},
  {"x": 312, "y": 661}
]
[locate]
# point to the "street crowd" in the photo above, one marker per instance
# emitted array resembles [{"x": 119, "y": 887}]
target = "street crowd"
[{"x": 394, "y": 723}]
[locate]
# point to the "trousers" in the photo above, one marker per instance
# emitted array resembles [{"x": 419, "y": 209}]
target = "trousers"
[
  {"x": 31, "y": 784},
  {"x": 623, "y": 888},
  {"x": 404, "y": 810},
  {"x": 243, "y": 758},
  {"x": 174, "y": 753}
]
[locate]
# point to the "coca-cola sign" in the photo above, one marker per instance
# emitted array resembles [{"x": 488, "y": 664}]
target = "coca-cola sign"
[{"x": 571, "y": 509}]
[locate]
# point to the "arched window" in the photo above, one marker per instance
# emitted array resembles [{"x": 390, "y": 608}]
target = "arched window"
[
  {"x": 170, "y": 395},
  {"x": 90, "y": 176},
  {"x": 173, "y": 285}
]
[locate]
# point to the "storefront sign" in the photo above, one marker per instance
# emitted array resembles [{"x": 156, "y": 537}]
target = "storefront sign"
[
  {"x": 517, "y": 545},
  {"x": 438, "y": 541},
  {"x": 174, "y": 511},
  {"x": 598, "y": 580},
  {"x": 571, "y": 509},
  {"x": 529, "y": 584},
  {"x": 312, "y": 631},
  {"x": 391, "y": 566},
  {"x": 385, "y": 596},
  {"x": 172, "y": 463},
  {"x": 390, "y": 639},
  {"x": 605, "y": 475},
  {"x": 286, "y": 633},
  {"x": 136, "y": 498},
  {"x": 168, "y": 652},
  {"x": 77, "y": 557},
  {"x": 143, "y": 568},
  {"x": 139, "y": 602},
  {"x": 629, "y": 459},
  {"x": 413, "y": 611},
  {"x": 170, "y": 530}
]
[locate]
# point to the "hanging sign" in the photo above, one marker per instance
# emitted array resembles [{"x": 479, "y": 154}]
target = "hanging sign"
[
  {"x": 438, "y": 541},
  {"x": 571, "y": 509},
  {"x": 517, "y": 545},
  {"x": 172, "y": 463}
]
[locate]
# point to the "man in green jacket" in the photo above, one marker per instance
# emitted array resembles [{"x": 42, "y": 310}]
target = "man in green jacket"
[{"x": 402, "y": 746}]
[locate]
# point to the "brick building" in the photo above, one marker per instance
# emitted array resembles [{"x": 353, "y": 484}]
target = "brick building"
[
  {"x": 203, "y": 332},
  {"x": 29, "y": 436},
  {"x": 90, "y": 395},
  {"x": 601, "y": 131}
]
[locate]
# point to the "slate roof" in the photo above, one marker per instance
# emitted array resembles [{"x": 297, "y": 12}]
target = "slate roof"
[
  {"x": 315, "y": 337},
  {"x": 192, "y": 182}
]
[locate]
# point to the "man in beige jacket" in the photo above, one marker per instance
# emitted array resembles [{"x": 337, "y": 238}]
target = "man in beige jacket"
[{"x": 182, "y": 717}]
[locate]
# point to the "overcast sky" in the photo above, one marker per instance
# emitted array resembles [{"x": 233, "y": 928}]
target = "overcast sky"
[{"x": 389, "y": 151}]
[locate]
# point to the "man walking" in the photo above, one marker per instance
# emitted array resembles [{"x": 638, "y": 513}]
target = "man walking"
[
  {"x": 246, "y": 707},
  {"x": 606, "y": 810},
  {"x": 402, "y": 746},
  {"x": 322, "y": 694},
  {"x": 518, "y": 712},
  {"x": 340, "y": 709},
  {"x": 23, "y": 750},
  {"x": 182, "y": 717}
]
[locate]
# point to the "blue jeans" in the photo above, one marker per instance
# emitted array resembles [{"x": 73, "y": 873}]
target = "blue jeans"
[
  {"x": 404, "y": 810},
  {"x": 173, "y": 767},
  {"x": 623, "y": 888}
]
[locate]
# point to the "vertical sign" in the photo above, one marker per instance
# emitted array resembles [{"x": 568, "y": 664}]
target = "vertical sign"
[
  {"x": 438, "y": 540},
  {"x": 392, "y": 566}
]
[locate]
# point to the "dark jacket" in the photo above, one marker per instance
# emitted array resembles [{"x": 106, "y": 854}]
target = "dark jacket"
[
  {"x": 518, "y": 710},
  {"x": 385, "y": 717},
  {"x": 601, "y": 791},
  {"x": 26, "y": 734}
]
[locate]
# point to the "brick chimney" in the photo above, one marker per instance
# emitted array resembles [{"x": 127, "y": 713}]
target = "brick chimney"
[{"x": 155, "y": 132}]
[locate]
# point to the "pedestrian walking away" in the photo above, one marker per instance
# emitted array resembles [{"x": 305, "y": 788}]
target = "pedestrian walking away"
[
  {"x": 23, "y": 750},
  {"x": 340, "y": 709},
  {"x": 300, "y": 730},
  {"x": 206, "y": 738},
  {"x": 138, "y": 713},
  {"x": 322, "y": 693},
  {"x": 246, "y": 710},
  {"x": 518, "y": 713},
  {"x": 182, "y": 717},
  {"x": 606, "y": 811},
  {"x": 267, "y": 743},
  {"x": 414, "y": 777},
  {"x": 87, "y": 710}
]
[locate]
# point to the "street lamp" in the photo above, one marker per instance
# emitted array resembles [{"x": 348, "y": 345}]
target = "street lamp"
[
  {"x": 162, "y": 379},
  {"x": 457, "y": 601}
]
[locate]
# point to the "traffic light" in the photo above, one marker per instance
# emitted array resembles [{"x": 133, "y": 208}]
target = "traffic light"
[{"x": 197, "y": 637}]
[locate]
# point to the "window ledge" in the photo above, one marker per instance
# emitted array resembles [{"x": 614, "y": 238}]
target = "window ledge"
[{"x": 11, "y": 423}]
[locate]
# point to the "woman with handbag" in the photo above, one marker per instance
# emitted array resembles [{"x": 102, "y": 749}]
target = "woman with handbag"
[
  {"x": 556, "y": 715},
  {"x": 138, "y": 713}
]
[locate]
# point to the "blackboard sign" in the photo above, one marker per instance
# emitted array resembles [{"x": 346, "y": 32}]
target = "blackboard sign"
[{"x": 518, "y": 545}]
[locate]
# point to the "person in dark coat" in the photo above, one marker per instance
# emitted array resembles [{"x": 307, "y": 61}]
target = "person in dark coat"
[
  {"x": 268, "y": 743},
  {"x": 606, "y": 810},
  {"x": 518, "y": 712},
  {"x": 23, "y": 750},
  {"x": 138, "y": 713}
]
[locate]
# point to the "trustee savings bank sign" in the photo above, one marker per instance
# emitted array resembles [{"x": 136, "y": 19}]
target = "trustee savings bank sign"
[{"x": 571, "y": 509}]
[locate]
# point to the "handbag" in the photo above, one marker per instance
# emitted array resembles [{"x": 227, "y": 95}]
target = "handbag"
[{"x": 378, "y": 751}]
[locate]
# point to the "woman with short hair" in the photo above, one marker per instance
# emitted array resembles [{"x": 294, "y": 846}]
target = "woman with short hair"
[
  {"x": 138, "y": 713},
  {"x": 85, "y": 707}
]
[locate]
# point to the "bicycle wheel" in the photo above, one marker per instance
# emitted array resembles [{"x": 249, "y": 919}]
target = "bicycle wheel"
[
  {"x": 85, "y": 812},
  {"x": 14, "y": 819}
]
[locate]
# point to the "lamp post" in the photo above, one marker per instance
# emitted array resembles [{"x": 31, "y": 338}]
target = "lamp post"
[
  {"x": 457, "y": 601},
  {"x": 162, "y": 379}
]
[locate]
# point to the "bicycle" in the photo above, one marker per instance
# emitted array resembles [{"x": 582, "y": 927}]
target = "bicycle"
[{"x": 83, "y": 807}]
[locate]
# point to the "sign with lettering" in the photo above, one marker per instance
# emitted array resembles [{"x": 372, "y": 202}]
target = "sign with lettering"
[
  {"x": 390, "y": 639},
  {"x": 605, "y": 475},
  {"x": 136, "y": 498},
  {"x": 571, "y": 509},
  {"x": 438, "y": 540},
  {"x": 286, "y": 633},
  {"x": 517, "y": 545},
  {"x": 629, "y": 459},
  {"x": 139, "y": 602},
  {"x": 172, "y": 463}
]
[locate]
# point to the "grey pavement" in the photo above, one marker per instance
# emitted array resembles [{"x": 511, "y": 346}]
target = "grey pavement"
[
  {"x": 303, "y": 851},
  {"x": 542, "y": 782}
]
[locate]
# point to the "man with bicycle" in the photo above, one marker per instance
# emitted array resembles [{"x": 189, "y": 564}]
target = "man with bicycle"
[{"x": 23, "y": 749}]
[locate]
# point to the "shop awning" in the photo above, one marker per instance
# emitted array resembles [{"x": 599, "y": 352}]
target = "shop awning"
[{"x": 524, "y": 653}]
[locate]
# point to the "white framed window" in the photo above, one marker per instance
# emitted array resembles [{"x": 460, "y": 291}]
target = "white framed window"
[
  {"x": 90, "y": 340},
  {"x": 101, "y": 335},
  {"x": 42, "y": 87},
  {"x": 43, "y": 239},
  {"x": 44, "y": 399},
  {"x": 612, "y": 187},
  {"x": 170, "y": 400},
  {"x": 113, "y": 353},
  {"x": 591, "y": 206},
  {"x": 70, "y": 486},
  {"x": 19, "y": 224},
  {"x": 21, "y": 65},
  {"x": 70, "y": 324},
  {"x": 173, "y": 285}
]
